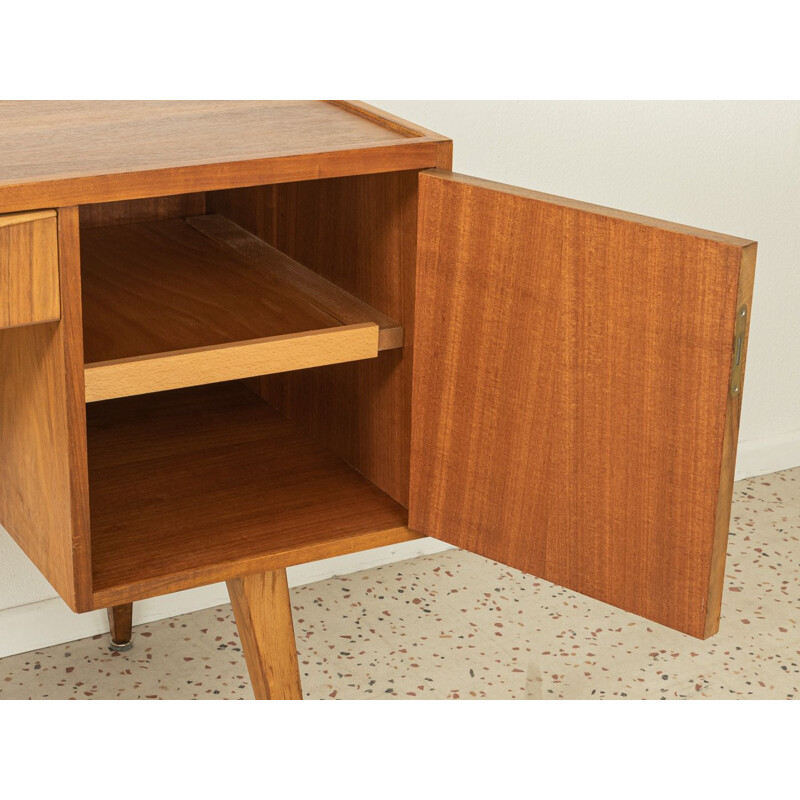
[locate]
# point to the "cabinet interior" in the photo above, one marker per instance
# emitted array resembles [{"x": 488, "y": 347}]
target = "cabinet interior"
[
  {"x": 203, "y": 463},
  {"x": 204, "y": 291}
]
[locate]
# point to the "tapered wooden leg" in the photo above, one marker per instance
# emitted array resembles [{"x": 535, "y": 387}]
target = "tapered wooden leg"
[
  {"x": 120, "y": 620},
  {"x": 263, "y": 614}
]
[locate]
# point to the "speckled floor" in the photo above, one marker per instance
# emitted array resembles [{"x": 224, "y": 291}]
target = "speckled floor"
[{"x": 454, "y": 625}]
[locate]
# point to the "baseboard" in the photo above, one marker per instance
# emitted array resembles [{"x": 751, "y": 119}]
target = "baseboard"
[
  {"x": 762, "y": 456},
  {"x": 49, "y": 622}
]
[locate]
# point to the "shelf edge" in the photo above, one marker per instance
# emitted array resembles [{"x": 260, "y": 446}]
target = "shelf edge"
[{"x": 196, "y": 366}]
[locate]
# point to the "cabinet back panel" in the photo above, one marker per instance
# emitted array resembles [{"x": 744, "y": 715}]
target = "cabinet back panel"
[
  {"x": 148, "y": 209},
  {"x": 360, "y": 233}
]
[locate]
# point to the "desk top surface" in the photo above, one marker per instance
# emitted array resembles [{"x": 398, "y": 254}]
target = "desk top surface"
[{"x": 69, "y": 152}]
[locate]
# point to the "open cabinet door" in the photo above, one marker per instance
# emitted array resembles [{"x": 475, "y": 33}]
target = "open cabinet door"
[{"x": 577, "y": 388}]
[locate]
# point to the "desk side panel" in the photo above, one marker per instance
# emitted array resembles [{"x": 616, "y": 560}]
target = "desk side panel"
[{"x": 43, "y": 472}]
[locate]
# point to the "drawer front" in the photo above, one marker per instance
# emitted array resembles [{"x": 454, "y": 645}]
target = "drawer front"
[{"x": 29, "y": 291}]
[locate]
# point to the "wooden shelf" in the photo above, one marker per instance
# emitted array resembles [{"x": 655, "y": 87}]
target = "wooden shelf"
[
  {"x": 200, "y": 485},
  {"x": 178, "y": 303}
]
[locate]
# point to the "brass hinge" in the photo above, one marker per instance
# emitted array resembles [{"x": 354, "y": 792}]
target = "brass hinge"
[{"x": 738, "y": 351}]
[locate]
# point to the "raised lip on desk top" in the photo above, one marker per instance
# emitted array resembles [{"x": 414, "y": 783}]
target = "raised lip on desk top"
[{"x": 419, "y": 149}]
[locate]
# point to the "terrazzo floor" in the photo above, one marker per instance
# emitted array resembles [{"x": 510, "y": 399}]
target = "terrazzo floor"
[{"x": 456, "y": 626}]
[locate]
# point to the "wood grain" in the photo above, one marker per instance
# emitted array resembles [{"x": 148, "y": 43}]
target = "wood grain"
[
  {"x": 359, "y": 233},
  {"x": 23, "y": 218},
  {"x": 342, "y": 305},
  {"x": 120, "y": 623},
  {"x": 29, "y": 290},
  {"x": 167, "y": 306},
  {"x": 43, "y": 473},
  {"x": 75, "y": 153},
  {"x": 200, "y": 485},
  {"x": 160, "y": 286},
  {"x": 106, "y": 380},
  {"x": 148, "y": 209},
  {"x": 263, "y": 611},
  {"x": 573, "y": 364}
]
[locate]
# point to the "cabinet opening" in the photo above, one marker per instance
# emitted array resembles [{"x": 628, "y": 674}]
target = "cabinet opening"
[
  {"x": 248, "y": 379},
  {"x": 344, "y": 253}
]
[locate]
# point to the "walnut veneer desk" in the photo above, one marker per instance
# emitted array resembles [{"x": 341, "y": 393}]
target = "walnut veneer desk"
[{"x": 240, "y": 336}]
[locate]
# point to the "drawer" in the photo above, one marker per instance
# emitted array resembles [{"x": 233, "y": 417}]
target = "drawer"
[{"x": 29, "y": 291}]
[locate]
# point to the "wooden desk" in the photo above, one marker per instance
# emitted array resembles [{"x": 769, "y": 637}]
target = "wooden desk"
[{"x": 240, "y": 336}]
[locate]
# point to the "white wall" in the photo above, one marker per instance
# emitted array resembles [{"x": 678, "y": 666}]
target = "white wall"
[{"x": 732, "y": 167}]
